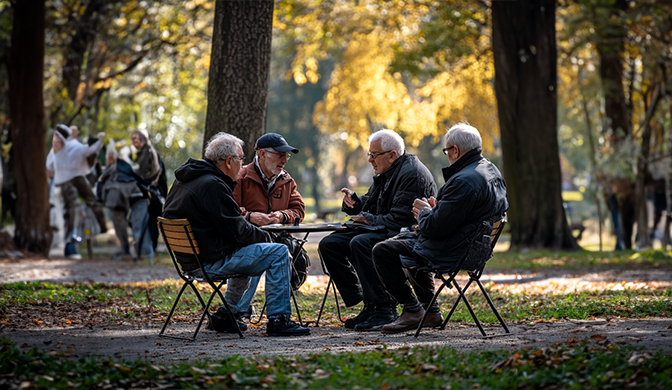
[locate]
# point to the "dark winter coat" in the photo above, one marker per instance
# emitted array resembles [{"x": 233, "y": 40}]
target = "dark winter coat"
[
  {"x": 389, "y": 201},
  {"x": 474, "y": 192},
  {"x": 203, "y": 194}
]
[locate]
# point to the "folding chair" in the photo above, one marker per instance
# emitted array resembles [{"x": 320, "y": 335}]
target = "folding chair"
[
  {"x": 326, "y": 294},
  {"x": 179, "y": 238},
  {"x": 473, "y": 262}
]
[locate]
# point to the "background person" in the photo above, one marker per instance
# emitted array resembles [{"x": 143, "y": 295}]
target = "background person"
[
  {"x": 229, "y": 244},
  {"x": 474, "y": 192},
  {"x": 68, "y": 162},
  {"x": 399, "y": 178},
  {"x": 266, "y": 194}
]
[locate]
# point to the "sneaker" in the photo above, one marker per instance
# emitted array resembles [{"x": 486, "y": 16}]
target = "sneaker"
[
  {"x": 221, "y": 321},
  {"x": 364, "y": 315},
  {"x": 382, "y": 316},
  {"x": 71, "y": 252},
  {"x": 283, "y": 326}
]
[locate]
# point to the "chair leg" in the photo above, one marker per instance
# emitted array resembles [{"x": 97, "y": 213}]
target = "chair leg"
[
  {"x": 172, "y": 309},
  {"x": 226, "y": 305},
  {"x": 261, "y": 314},
  {"x": 452, "y": 310},
  {"x": 471, "y": 310},
  {"x": 492, "y": 306},
  {"x": 296, "y": 306},
  {"x": 324, "y": 301},
  {"x": 431, "y": 302}
]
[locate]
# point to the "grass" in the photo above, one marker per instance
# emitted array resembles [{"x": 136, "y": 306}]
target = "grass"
[
  {"x": 46, "y": 304},
  {"x": 580, "y": 366}
]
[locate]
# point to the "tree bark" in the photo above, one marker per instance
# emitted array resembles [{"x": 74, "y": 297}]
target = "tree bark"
[
  {"x": 33, "y": 231},
  {"x": 239, "y": 71},
  {"x": 610, "y": 45},
  {"x": 74, "y": 56},
  {"x": 526, "y": 89}
]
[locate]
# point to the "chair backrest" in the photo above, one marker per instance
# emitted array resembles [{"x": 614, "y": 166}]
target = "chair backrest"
[
  {"x": 178, "y": 236},
  {"x": 482, "y": 246}
]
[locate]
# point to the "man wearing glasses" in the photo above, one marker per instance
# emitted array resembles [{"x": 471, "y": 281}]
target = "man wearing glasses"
[
  {"x": 382, "y": 212},
  {"x": 229, "y": 244},
  {"x": 266, "y": 194},
  {"x": 474, "y": 192}
]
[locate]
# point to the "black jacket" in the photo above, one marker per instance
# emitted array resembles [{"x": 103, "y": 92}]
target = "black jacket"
[
  {"x": 474, "y": 191},
  {"x": 203, "y": 194},
  {"x": 389, "y": 201}
]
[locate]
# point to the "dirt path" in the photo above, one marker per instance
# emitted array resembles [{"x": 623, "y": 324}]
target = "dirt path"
[{"x": 130, "y": 342}]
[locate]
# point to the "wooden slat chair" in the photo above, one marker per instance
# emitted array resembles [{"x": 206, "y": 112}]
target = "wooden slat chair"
[
  {"x": 179, "y": 239},
  {"x": 473, "y": 262}
]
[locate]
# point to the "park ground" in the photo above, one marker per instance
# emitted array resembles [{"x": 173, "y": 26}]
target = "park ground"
[{"x": 112, "y": 310}]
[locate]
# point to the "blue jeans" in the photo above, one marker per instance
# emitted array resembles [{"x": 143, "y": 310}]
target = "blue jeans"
[
  {"x": 253, "y": 260},
  {"x": 240, "y": 292},
  {"x": 140, "y": 221}
]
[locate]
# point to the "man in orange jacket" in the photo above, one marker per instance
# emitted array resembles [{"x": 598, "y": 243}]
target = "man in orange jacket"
[{"x": 266, "y": 194}]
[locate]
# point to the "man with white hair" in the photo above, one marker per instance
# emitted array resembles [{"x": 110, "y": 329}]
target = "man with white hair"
[
  {"x": 67, "y": 160},
  {"x": 229, "y": 244},
  {"x": 474, "y": 192},
  {"x": 399, "y": 178}
]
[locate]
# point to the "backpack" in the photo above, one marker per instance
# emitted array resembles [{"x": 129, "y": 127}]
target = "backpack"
[{"x": 301, "y": 261}]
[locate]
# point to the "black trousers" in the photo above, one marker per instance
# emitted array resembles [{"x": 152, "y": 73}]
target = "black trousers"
[
  {"x": 398, "y": 280},
  {"x": 347, "y": 256}
]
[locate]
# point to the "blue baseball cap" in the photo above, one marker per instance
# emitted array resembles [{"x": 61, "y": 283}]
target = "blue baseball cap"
[{"x": 274, "y": 141}]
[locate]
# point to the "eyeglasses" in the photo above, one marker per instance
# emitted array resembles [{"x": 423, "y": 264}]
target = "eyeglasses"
[
  {"x": 241, "y": 158},
  {"x": 445, "y": 150},
  {"x": 374, "y": 155},
  {"x": 281, "y": 155}
]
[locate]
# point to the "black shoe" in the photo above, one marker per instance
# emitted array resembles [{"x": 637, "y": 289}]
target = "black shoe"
[
  {"x": 381, "y": 316},
  {"x": 246, "y": 314},
  {"x": 364, "y": 315},
  {"x": 121, "y": 254},
  {"x": 283, "y": 326},
  {"x": 221, "y": 321}
]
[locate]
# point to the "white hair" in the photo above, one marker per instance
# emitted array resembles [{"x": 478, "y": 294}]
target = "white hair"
[
  {"x": 465, "y": 136},
  {"x": 389, "y": 140},
  {"x": 221, "y": 146}
]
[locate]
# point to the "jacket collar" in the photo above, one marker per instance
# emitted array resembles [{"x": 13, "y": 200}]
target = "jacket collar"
[
  {"x": 393, "y": 168},
  {"x": 468, "y": 158}
]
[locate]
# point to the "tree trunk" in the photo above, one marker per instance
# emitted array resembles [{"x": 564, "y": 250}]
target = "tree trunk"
[
  {"x": 526, "y": 89},
  {"x": 239, "y": 71},
  {"x": 74, "y": 56},
  {"x": 33, "y": 231},
  {"x": 642, "y": 172},
  {"x": 610, "y": 47}
]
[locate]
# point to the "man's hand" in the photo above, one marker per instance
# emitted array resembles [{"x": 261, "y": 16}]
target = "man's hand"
[
  {"x": 421, "y": 204},
  {"x": 360, "y": 219},
  {"x": 277, "y": 217},
  {"x": 261, "y": 219},
  {"x": 432, "y": 201},
  {"x": 101, "y": 135},
  {"x": 347, "y": 197}
]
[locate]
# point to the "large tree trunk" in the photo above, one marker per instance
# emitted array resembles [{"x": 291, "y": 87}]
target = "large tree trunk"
[
  {"x": 526, "y": 89},
  {"x": 239, "y": 71},
  {"x": 33, "y": 231}
]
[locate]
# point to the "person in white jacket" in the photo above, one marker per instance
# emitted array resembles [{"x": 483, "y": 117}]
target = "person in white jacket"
[{"x": 67, "y": 161}]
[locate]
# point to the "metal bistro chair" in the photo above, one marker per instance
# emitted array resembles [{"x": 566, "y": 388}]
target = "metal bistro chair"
[
  {"x": 473, "y": 262},
  {"x": 179, "y": 238}
]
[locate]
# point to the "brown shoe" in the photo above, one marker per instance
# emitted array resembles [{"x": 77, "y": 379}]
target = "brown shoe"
[
  {"x": 433, "y": 320},
  {"x": 407, "y": 321}
]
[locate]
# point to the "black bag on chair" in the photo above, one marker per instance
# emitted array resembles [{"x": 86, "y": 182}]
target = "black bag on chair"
[{"x": 301, "y": 261}]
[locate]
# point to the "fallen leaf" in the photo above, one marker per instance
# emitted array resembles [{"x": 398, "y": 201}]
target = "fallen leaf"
[{"x": 598, "y": 337}]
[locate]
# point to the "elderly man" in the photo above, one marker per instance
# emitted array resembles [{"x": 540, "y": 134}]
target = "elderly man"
[
  {"x": 67, "y": 160},
  {"x": 266, "y": 194},
  {"x": 203, "y": 193},
  {"x": 381, "y": 213},
  {"x": 474, "y": 192}
]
